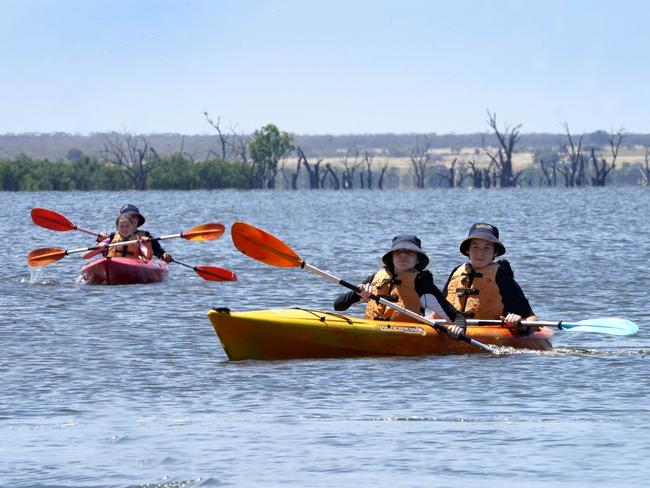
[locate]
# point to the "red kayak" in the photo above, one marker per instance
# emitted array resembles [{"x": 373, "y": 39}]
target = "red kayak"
[{"x": 123, "y": 271}]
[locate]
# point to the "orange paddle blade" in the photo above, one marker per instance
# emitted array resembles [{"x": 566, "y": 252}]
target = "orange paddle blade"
[
  {"x": 262, "y": 246},
  {"x": 45, "y": 256},
  {"x": 94, "y": 252},
  {"x": 204, "y": 232},
  {"x": 51, "y": 220},
  {"x": 212, "y": 273}
]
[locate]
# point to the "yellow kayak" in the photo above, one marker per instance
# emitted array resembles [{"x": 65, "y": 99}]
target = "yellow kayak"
[{"x": 298, "y": 333}]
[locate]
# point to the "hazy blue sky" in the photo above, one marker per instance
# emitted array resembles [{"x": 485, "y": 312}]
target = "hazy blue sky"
[{"x": 332, "y": 67}]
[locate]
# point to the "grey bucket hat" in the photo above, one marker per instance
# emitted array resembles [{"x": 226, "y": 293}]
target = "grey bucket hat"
[
  {"x": 408, "y": 242},
  {"x": 131, "y": 209},
  {"x": 484, "y": 231}
]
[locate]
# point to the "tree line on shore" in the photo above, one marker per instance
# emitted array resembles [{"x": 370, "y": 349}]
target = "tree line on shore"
[{"x": 269, "y": 159}]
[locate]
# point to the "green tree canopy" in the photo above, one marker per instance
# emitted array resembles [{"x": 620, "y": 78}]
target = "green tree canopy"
[{"x": 268, "y": 146}]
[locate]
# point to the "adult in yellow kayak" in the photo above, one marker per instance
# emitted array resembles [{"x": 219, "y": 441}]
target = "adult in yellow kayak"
[
  {"x": 484, "y": 288},
  {"x": 403, "y": 280},
  {"x": 133, "y": 212}
]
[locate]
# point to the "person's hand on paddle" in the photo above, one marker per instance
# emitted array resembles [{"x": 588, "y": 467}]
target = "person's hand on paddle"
[
  {"x": 102, "y": 236},
  {"x": 167, "y": 257},
  {"x": 364, "y": 290},
  {"x": 513, "y": 321},
  {"x": 458, "y": 328}
]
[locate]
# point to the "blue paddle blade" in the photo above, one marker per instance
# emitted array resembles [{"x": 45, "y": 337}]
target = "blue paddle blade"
[{"x": 607, "y": 325}]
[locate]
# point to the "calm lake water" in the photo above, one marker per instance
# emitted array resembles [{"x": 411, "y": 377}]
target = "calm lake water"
[{"x": 129, "y": 386}]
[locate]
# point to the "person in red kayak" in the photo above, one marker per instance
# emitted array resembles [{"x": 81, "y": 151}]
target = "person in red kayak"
[
  {"x": 127, "y": 231},
  {"x": 403, "y": 280},
  {"x": 133, "y": 212},
  {"x": 484, "y": 288}
]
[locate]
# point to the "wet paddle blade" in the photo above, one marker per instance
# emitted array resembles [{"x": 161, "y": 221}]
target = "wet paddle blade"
[
  {"x": 204, "y": 232},
  {"x": 607, "y": 325},
  {"x": 93, "y": 253},
  {"x": 51, "y": 220},
  {"x": 262, "y": 246},
  {"x": 45, "y": 256},
  {"x": 212, "y": 273},
  {"x": 98, "y": 250}
]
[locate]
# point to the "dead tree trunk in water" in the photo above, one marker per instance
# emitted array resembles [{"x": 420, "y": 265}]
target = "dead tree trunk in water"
[
  {"x": 605, "y": 168},
  {"x": 332, "y": 177},
  {"x": 382, "y": 172},
  {"x": 645, "y": 170},
  {"x": 295, "y": 175},
  {"x": 368, "y": 173},
  {"x": 549, "y": 170},
  {"x": 502, "y": 159},
  {"x": 477, "y": 174},
  {"x": 572, "y": 161},
  {"x": 420, "y": 161},
  {"x": 350, "y": 168},
  {"x": 314, "y": 177},
  {"x": 453, "y": 175}
]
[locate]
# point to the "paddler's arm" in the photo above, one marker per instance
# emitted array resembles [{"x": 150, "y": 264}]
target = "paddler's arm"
[
  {"x": 430, "y": 288},
  {"x": 346, "y": 300},
  {"x": 515, "y": 304},
  {"x": 157, "y": 249}
]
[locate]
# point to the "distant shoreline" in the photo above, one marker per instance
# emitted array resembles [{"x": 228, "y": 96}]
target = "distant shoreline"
[{"x": 392, "y": 147}]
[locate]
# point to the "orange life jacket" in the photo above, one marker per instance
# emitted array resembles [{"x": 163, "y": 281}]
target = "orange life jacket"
[
  {"x": 129, "y": 251},
  {"x": 475, "y": 292},
  {"x": 399, "y": 290}
]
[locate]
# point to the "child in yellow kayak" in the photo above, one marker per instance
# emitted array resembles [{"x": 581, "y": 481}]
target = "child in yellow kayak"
[
  {"x": 127, "y": 231},
  {"x": 133, "y": 212},
  {"x": 404, "y": 281},
  {"x": 483, "y": 288}
]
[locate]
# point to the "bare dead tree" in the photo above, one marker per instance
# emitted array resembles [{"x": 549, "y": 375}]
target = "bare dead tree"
[
  {"x": 184, "y": 153},
  {"x": 420, "y": 161},
  {"x": 490, "y": 177},
  {"x": 601, "y": 166},
  {"x": 477, "y": 174},
  {"x": 333, "y": 178},
  {"x": 572, "y": 161},
  {"x": 453, "y": 176},
  {"x": 549, "y": 170},
  {"x": 314, "y": 176},
  {"x": 232, "y": 145},
  {"x": 132, "y": 153},
  {"x": 350, "y": 167},
  {"x": 295, "y": 175},
  {"x": 502, "y": 158},
  {"x": 382, "y": 173},
  {"x": 645, "y": 170},
  {"x": 368, "y": 173},
  {"x": 223, "y": 138}
]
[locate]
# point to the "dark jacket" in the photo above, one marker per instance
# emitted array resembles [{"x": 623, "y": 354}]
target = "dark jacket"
[{"x": 423, "y": 285}]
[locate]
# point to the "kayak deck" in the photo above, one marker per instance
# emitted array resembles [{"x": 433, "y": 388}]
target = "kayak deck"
[
  {"x": 123, "y": 271},
  {"x": 299, "y": 333}
]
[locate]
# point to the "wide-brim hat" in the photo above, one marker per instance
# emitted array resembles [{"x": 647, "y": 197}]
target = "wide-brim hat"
[
  {"x": 130, "y": 209},
  {"x": 410, "y": 243},
  {"x": 486, "y": 232}
]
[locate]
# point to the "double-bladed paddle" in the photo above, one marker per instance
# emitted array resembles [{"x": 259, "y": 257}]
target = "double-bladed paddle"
[
  {"x": 605, "y": 325},
  {"x": 49, "y": 219},
  {"x": 49, "y": 255},
  {"x": 211, "y": 273},
  {"x": 262, "y": 246}
]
